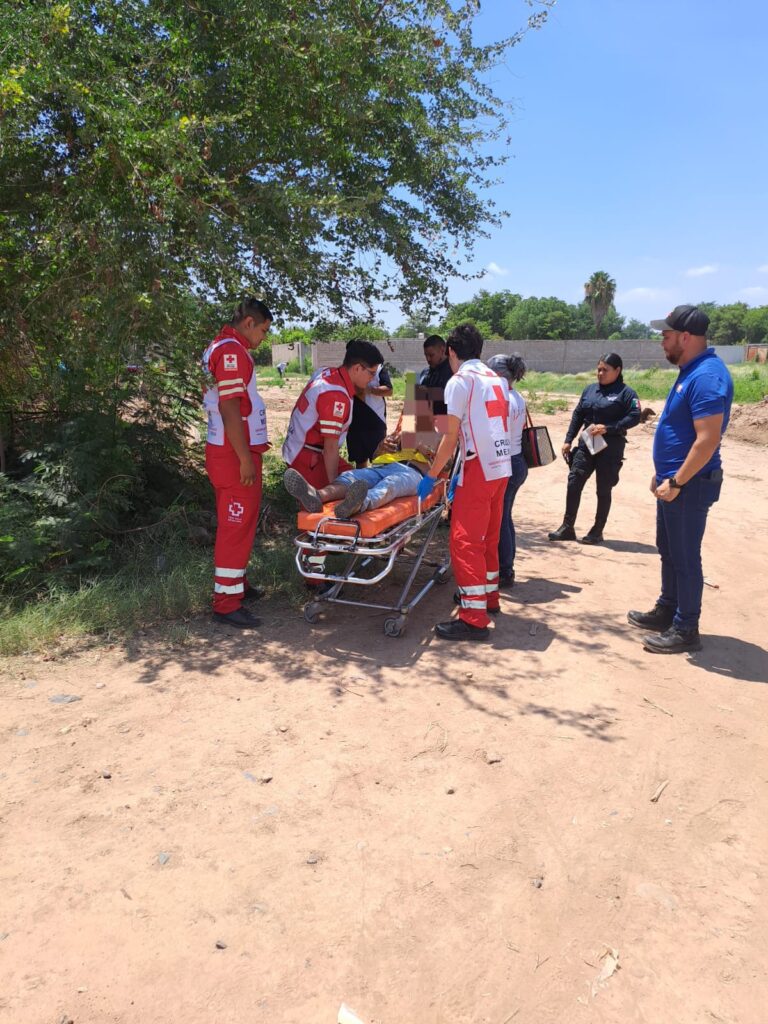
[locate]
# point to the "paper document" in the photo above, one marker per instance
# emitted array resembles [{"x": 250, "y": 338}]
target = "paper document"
[{"x": 594, "y": 443}]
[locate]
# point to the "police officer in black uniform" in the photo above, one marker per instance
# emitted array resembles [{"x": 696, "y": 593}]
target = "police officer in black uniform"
[{"x": 607, "y": 409}]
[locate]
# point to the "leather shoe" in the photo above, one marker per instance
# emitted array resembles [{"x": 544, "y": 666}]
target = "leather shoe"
[
  {"x": 253, "y": 593},
  {"x": 457, "y": 600},
  {"x": 563, "y": 533},
  {"x": 657, "y": 619},
  {"x": 240, "y": 618},
  {"x": 457, "y": 629},
  {"x": 673, "y": 641},
  {"x": 591, "y": 538}
]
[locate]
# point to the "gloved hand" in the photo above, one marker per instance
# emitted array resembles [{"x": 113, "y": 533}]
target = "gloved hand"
[
  {"x": 452, "y": 487},
  {"x": 426, "y": 486}
]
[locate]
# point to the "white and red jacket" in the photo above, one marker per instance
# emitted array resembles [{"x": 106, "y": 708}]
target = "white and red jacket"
[
  {"x": 480, "y": 399},
  {"x": 323, "y": 409},
  {"x": 230, "y": 370}
]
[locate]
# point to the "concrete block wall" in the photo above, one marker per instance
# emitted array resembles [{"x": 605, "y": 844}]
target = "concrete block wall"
[{"x": 572, "y": 356}]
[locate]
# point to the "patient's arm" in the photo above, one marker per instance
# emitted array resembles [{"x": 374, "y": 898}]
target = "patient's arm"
[{"x": 447, "y": 446}]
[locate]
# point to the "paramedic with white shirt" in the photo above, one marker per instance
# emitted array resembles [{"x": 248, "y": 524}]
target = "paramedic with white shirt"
[{"x": 478, "y": 418}]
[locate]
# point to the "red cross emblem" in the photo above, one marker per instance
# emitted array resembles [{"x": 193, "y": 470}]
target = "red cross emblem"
[{"x": 499, "y": 406}]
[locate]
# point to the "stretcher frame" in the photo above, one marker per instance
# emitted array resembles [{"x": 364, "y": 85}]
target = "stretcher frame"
[{"x": 362, "y": 552}]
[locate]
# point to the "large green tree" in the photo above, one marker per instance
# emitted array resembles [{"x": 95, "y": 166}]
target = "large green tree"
[
  {"x": 489, "y": 309},
  {"x": 160, "y": 157}
]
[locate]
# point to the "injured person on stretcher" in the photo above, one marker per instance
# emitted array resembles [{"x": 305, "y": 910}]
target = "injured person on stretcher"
[{"x": 395, "y": 472}]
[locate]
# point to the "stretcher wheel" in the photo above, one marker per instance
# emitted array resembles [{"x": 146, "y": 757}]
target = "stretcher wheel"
[
  {"x": 394, "y": 626},
  {"x": 311, "y": 612},
  {"x": 442, "y": 576}
]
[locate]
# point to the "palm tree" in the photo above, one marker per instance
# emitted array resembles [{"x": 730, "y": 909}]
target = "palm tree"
[{"x": 599, "y": 292}]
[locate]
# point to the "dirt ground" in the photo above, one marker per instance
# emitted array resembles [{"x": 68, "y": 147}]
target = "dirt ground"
[{"x": 429, "y": 833}]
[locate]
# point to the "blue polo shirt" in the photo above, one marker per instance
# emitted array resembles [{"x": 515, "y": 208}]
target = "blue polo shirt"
[{"x": 704, "y": 387}]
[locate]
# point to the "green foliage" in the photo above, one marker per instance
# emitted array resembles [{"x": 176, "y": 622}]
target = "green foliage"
[
  {"x": 750, "y": 382},
  {"x": 540, "y": 318},
  {"x": 488, "y": 311}
]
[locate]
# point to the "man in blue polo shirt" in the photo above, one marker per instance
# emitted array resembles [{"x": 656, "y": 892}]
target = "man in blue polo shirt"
[{"x": 688, "y": 477}]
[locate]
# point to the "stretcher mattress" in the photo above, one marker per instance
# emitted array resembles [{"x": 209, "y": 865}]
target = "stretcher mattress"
[{"x": 374, "y": 522}]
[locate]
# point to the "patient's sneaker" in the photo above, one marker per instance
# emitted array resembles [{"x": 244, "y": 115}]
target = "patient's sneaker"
[
  {"x": 298, "y": 488},
  {"x": 353, "y": 500}
]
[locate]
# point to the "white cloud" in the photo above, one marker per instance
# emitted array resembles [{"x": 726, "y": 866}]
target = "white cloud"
[
  {"x": 495, "y": 270},
  {"x": 756, "y": 292},
  {"x": 644, "y": 295},
  {"x": 708, "y": 268},
  {"x": 763, "y": 269}
]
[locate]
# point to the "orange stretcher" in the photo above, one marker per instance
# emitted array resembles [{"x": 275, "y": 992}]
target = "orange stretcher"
[{"x": 372, "y": 543}]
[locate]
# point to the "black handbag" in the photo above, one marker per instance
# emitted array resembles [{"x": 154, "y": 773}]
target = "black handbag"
[{"x": 537, "y": 446}]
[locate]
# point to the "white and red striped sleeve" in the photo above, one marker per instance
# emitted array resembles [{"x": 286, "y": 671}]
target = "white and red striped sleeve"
[
  {"x": 332, "y": 413},
  {"x": 232, "y": 369}
]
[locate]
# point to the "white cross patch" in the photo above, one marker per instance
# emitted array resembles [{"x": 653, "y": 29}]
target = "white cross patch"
[
  {"x": 338, "y": 409},
  {"x": 236, "y": 511},
  {"x": 230, "y": 361}
]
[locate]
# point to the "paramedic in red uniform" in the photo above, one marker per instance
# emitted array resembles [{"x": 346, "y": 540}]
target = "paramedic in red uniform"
[
  {"x": 323, "y": 412},
  {"x": 478, "y": 417},
  {"x": 237, "y": 437}
]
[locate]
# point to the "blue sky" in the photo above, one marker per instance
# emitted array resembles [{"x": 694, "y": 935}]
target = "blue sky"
[{"x": 639, "y": 147}]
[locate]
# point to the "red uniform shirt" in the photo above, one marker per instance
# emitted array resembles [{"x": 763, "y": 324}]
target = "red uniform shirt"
[
  {"x": 333, "y": 409},
  {"x": 232, "y": 369}
]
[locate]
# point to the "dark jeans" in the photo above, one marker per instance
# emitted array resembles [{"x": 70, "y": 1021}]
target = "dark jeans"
[
  {"x": 679, "y": 532},
  {"x": 606, "y": 466},
  {"x": 507, "y": 545}
]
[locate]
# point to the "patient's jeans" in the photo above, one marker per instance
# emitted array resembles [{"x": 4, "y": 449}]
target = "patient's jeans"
[{"x": 385, "y": 483}]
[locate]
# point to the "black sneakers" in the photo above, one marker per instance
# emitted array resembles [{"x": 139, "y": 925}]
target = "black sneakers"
[
  {"x": 458, "y": 629},
  {"x": 657, "y": 619},
  {"x": 673, "y": 641},
  {"x": 240, "y": 618},
  {"x": 563, "y": 533}
]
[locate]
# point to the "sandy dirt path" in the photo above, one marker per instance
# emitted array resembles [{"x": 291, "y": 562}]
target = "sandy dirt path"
[{"x": 431, "y": 833}]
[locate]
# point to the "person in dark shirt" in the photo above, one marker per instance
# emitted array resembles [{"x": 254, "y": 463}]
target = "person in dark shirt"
[
  {"x": 438, "y": 371},
  {"x": 369, "y": 419},
  {"x": 606, "y": 410}
]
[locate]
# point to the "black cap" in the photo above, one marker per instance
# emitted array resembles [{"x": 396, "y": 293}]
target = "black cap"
[{"x": 684, "y": 318}]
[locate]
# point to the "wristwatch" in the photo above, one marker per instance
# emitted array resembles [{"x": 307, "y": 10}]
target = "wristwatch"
[{"x": 674, "y": 484}]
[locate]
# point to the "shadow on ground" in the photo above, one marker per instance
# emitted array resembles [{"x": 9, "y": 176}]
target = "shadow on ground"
[{"x": 731, "y": 657}]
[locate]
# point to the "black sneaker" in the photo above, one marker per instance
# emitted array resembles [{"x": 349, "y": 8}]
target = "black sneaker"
[
  {"x": 457, "y": 600},
  {"x": 303, "y": 491},
  {"x": 673, "y": 641},
  {"x": 458, "y": 629},
  {"x": 240, "y": 618},
  {"x": 563, "y": 533},
  {"x": 657, "y": 619}
]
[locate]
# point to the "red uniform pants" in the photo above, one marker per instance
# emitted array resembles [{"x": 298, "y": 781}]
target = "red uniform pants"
[
  {"x": 311, "y": 465},
  {"x": 474, "y": 542},
  {"x": 237, "y": 514}
]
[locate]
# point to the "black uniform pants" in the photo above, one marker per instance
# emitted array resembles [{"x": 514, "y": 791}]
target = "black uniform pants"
[{"x": 606, "y": 466}]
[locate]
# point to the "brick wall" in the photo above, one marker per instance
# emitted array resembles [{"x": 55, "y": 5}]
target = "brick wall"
[{"x": 574, "y": 356}]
